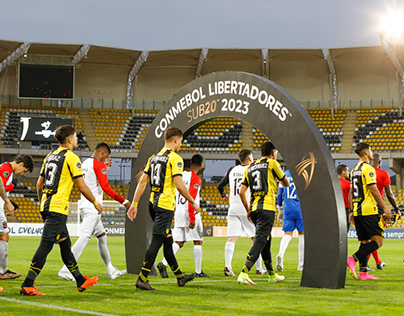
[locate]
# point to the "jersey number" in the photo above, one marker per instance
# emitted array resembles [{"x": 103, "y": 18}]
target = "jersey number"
[
  {"x": 237, "y": 186},
  {"x": 257, "y": 180},
  {"x": 181, "y": 200},
  {"x": 355, "y": 188},
  {"x": 51, "y": 169},
  {"x": 291, "y": 191},
  {"x": 155, "y": 176}
]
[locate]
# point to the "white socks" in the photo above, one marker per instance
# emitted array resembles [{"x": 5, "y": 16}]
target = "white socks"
[
  {"x": 228, "y": 254},
  {"x": 284, "y": 244},
  {"x": 258, "y": 263},
  {"x": 176, "y": 247},
  {"x": 301, "y": 250},
  {"x": 3, "y": 256},
  {"x": 198, "y": 258},
  {"x": 104, "y": 253}
]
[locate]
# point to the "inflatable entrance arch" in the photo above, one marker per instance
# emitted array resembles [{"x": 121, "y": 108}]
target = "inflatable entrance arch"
[{"x": 286, "y": 123}]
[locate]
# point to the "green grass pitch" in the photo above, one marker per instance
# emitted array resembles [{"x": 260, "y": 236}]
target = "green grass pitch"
[{"x": 218, "y": 295}]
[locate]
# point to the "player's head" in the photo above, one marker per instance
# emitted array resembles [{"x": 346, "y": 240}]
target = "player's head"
[
  {"x": 363, "y": 149},
  {"x": 376, "y": 161},
  {"x": 22, "y": 164},
  {"x": 197, "y": 160},
  {"x": 343, "y": 171},
  {"x": 66, "y": 134},
  {"x": 268, "y": 149},
  {"x": 245, "y": 156},
  {"x": 102, "y": 151},
  {"x": 173, "y": 136}
]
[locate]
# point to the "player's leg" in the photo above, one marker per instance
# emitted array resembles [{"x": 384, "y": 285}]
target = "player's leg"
[
  {"x": 103, "y": 250},
  {"x": 196, "y": 235},
  {"x": 5, "y": 273},
  {"x": 90, "y": 220},
  {"x": 300, "y": 229},
  {"x": 179, "y": 238},
  {"x": 233, "y": 232},
  {"x": 248, "y": 228},
  {"x": 287, "y": 237}
]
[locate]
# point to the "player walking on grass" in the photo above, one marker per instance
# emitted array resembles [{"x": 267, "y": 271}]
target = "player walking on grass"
[
  {"x": 237, "y": 222},
  {"x": 164, "y": 171},
  {"x": 364, "y": 197},
  {"x": 60, "y": 170},
  {"x": 261, "y": 177},
  {"x": 96, "y": 178},
  {"x": 292, "y": 219},
  {"x": 188, "y": 225},
  {"x": 383, "y": 183},
  {"x": 19, "y": 165},
  {"x": 8, "y": 208}
]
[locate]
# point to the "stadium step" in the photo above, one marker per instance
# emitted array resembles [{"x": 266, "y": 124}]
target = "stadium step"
[
  {"x": 349, "y": 131},
  {"x": 88, "y": 128}
]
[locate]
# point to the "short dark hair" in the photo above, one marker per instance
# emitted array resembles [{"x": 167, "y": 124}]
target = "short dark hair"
[
  {"x": 172, "y": 132},
  {"x": 360, "y": 148},
  {"x": 197, "y": 159},
  {"x": 341, "y": 168},
  {"x": 267, "y": 148},
  {"x": 105, "y": 145},
  {"x": 244, "y": 154},
  {"x": 27, "y": 160},
  {"x": 63, "y": 132}
]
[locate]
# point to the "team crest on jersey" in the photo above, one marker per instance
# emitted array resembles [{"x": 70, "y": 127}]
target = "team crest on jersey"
[
  {"x": 104, "y": 171},
  {"x": 78, "y": 165},
  {"x": 371, "y": 174},
  {"x": 196, "y": 186},
  {"x": 179, "y": 164},
  {"x": 6, "y": 174}
]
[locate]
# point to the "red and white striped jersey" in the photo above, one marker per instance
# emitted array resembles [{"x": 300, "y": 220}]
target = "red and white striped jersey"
[
  {"x": 184, "y": 212},
  {"x": 6, "y": 174},
  {"x": 96, "y": 178}
]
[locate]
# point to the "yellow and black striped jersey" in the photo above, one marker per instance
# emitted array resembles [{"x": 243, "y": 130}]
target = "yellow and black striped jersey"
[
  {"x": 59, "y": 169},
  {"x": 162, "y": 168},
  {"x": 363, "y": 175},
  {"x": 261, "y": 177}
]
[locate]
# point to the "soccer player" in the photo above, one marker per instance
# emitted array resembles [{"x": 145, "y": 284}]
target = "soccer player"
[
  {"x": 19, "y": 165},
  {"x": 8, "y": 208},
  {"x": 60, "y": 170},
  {"x": 343, "y": 175},
  {"x": 383, "y": 183},
  {"x": 292, "y": 219},
  {"x": 261, "y": 177},
  {"x": 237, "y": 221},
  {"x": 364, "y": 197},
  {"x": 96, "y": 178},
  {"x": 188, "y": 225},
  {"x": 164, "y": 171}
]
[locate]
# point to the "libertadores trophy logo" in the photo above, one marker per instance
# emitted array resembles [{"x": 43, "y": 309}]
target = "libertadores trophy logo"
[{"x": 303, "y": 165}]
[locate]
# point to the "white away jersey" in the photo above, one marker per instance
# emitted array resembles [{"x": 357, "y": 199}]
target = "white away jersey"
[
  {"x": 184, "y": 212},
  {"x": 96, "y": 178},
  {"x": 234, "y": 178}
]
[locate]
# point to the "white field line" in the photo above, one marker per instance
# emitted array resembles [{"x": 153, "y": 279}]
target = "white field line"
[{"x": 67, "y": 309}]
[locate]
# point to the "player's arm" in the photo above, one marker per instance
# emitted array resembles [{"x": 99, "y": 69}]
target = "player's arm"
[
  {"x": 84, "y": 189},
  {"x": 243, "y": 197},
  {"x": 9, "y": 207},
  {"x": 376, "y": 194},
  {"x": 221, "y": 185},
  {"x": 390, "y": 196},
  {"x": 5, "y": 173},
  {"x": 101, "y": 173},
  {"x": 193, "y": 191},
  {"x": 141, "y": 186},
  {"x": 179, "y": 184},
  {"x": 280, "y": 196}
]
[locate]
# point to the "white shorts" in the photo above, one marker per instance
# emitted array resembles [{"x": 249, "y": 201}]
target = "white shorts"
[
  {"x": 239, "y": 226},
  {"x": 91, "y": 225},
  {"x": 187, "y": 234},
  {"x": 3, "y": 223}
]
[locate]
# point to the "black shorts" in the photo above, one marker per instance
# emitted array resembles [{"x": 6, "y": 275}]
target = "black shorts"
[
  {"x": 55, "y": 227},
  {"x": 162, "y": 220},
  {"x": 263, "y": 221},
  {"x": 368, "y": 226}
]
